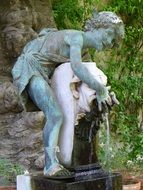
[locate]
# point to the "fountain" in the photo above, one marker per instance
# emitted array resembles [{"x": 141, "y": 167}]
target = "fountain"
[
  {"x": 64, "y": 91},
  {"x": 85, "y": 176},
  {"x": 87, "y": 172}
]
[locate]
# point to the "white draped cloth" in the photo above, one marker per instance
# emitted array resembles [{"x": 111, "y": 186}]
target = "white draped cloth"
[{"x": 74, "y": 98}]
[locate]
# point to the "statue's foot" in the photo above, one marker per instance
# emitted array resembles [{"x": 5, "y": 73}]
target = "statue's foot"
[{"x": 57, "y": 171}]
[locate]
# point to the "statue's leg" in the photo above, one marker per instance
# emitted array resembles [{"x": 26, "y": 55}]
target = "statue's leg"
[
  {"x": 42, "y": 95},
  {"x": 60, "y": 82}
]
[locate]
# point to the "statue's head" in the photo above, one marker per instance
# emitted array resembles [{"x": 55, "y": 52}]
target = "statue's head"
[{"x": 105, "y": 20}]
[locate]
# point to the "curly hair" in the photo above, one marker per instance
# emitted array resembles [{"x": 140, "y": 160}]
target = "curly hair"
[{"x": 104, "y": 19}]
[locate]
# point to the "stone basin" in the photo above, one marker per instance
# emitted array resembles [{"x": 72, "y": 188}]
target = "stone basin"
[{"x": 93, "y": 180}]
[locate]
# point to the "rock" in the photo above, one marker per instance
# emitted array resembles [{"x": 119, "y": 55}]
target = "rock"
[
  {"x": 9, "y": 99},
  {"x": 21, "y": 138}
]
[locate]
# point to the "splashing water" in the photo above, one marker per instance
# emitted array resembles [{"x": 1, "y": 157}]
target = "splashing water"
[
  {"x": 107, "y": 151},
  {"x": 107, "y": 144}
]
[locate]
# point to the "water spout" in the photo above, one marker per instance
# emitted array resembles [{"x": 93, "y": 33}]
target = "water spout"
[
  {"x": 107, "y": 151},
  {"x": 107, "y": 144}
]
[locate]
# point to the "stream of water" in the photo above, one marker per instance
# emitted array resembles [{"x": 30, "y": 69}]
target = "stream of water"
[
  {"x": 104, "y": 176},
  {"x": 107, "y": 152},
  {"x": 107, "y": 144},
  {"x": 100, "y": 173}
]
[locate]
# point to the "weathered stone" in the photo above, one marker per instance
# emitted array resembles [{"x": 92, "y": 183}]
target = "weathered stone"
[
  {"x": 21, "y": 138},
  {"x": 9, "y": 99},
  {"x": 20, "y": 21}
]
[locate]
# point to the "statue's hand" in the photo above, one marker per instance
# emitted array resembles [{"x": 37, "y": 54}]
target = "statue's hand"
[
  {"x": 112, "y": 99},
  {"x": 107, "y": 100},
  {"x": 102, "y": 95}
]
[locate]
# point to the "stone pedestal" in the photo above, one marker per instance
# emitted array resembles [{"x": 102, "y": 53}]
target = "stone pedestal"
[
  {"x": 39, "y": 182},
  {"x": 24, "y": 182}
]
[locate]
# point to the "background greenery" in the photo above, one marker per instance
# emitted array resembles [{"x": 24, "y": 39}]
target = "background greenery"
[
  {"x": 9, "y": 171},
  {"x": 124, "y": 68}
]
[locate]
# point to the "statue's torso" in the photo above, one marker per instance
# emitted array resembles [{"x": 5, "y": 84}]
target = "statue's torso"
[
  {"x": 57, "y": 42},
  {"x": 42, "y": 55}
]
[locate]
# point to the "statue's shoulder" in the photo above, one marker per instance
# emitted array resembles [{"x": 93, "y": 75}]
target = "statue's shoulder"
[
  {"x": 35, "y": 44},
  {"x": 74, "y": 37},
  {"x": 46, "y": 31}
]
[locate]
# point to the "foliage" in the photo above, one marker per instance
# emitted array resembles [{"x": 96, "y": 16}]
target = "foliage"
[
  {"x": 117, "y": 153},
  {"x": 124, "y": 69},
  {"x": 9, "y": 170},
  {"x": 72, "y": 14},
  {"x": 116, "y": 156},
  {"x": 128, "y": 84}
]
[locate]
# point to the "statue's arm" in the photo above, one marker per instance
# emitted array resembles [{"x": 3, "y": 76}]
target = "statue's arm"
[{"x": 81, "y": 71}]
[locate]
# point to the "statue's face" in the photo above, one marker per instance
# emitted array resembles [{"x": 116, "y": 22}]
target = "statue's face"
[
  {"x": 101, "y": 38},
  {"x": 106, "y": 38},
  {"x": 113, "y": 39}
]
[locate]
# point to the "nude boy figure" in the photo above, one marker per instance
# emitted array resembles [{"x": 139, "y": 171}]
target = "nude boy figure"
[{"x": 41, "y": 56}]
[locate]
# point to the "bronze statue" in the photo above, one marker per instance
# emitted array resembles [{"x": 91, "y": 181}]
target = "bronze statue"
[{"x": 40, "y": 57}]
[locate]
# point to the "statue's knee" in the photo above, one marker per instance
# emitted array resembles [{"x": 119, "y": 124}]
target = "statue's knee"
[
  {"x": 53, "y": 125},
  {"x": 56, "y": 117}
]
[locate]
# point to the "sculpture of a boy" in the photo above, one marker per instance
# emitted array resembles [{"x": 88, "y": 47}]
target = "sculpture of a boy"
[{"x": 41, "y": 56}]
